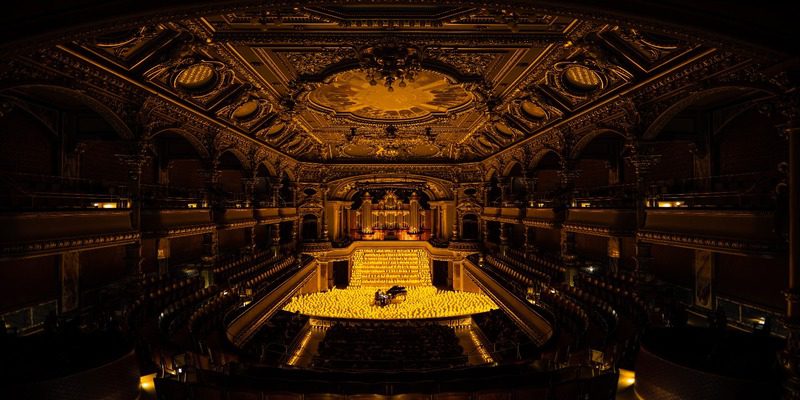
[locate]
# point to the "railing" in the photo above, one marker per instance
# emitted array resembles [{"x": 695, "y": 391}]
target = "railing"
[
  {"x": 31, "y": 191},
  {"x": 747, "y": 190}
]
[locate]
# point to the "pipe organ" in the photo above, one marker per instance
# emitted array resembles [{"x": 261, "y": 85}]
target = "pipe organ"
[{"x": 390, "y": 214}]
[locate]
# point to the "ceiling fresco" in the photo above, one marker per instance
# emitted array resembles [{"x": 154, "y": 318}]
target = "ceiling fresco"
[{"x": 350, "y": 95}]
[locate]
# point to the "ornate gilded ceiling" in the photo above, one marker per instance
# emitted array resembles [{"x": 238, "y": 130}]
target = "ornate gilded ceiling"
[{"x": 291, "y": 79}]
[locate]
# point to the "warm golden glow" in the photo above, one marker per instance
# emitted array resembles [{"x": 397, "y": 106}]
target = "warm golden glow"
[
  {"x": 146, "y": 384},
  {"x": 420, "y": 303},
  {"x": 582, "y": 78},
  {"x": 669, "y": 204},
  {"x": 626, "y": 379},
  {"x": 196, "y": 76},
  {"x": 351, "y": 93},
  {"x": 245, "y": 110},
  {"x": 487, "y": 358},
  {"x": 383, "y": 268},
  {"x": 300, "y": 348}
]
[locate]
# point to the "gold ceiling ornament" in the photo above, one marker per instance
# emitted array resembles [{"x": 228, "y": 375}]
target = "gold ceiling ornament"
[
  {"x": 196, "y": 77},
  {"x": 390, "y": 62},
  {"x": 581, "y": 78},
  {"x": 246, "y": 110},
  {"x": 533, "y": 111},
  {"x": 349, "y": 95}
]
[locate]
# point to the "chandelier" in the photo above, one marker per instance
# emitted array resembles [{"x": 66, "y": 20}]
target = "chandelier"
[{"x": 390, "y": 63}]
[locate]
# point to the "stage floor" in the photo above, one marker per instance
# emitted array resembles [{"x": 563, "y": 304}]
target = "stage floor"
[{"x": 425, "y": 302}]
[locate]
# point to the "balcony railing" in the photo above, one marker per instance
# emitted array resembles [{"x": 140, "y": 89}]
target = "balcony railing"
[{"x": 22, "y": 191}]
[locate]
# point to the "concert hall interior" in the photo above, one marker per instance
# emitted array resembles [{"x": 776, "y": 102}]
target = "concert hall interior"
[{"x": 399, "y": 200}]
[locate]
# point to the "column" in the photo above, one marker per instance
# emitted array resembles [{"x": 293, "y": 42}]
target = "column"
[
  {"x": 133, "y": 259},
  {"x": 791, "y": 355},
  {"x": 642, "y": 164},
  {"x": 69, "y": 271},
  {"x": 530, "y": 240},
  {"x": 485, "y": 231},
  {"x": 276, "y": 193},
  {"x": 324, "y": 189},
  {"x": 210, "y": 248},
  {"x": 613, "y": 253},
  {"x": 504, "y": 239},
  {"x": 276, "y": 238},
  {"x": 503, "y": 184},
  {"x": 455, "y": 235},
  {"x": 295, "y": 226},
  {"x": 532, "y": 181}
]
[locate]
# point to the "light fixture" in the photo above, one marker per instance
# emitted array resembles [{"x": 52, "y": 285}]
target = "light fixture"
[{"x": 390, "y": 62}]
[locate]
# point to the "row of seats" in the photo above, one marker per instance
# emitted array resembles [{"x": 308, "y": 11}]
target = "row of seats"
[
  {"x": 528, "y": 277},
  {"x": 233, "y": 265},
  {"x": 554, "y": 268},
  {"x": 211, "y": 313},
  {"x": 275, "y": 267},
  {"x": 251, "y": 271},
  {"x": 606, "y": 288},
  {"x": 177, "y": 314},
  {"x": 154, "y": 298}
]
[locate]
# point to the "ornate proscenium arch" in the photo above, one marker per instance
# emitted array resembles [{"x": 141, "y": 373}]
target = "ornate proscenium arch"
[{"x": 346, "y": 188}]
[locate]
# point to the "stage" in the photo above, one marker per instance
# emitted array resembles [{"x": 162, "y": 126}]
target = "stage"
[{"x": 424, "y": 302}]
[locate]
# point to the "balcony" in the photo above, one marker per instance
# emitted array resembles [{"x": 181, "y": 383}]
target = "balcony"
[
  {"x": 541, "y": 218},
  {"x": 727, "y": 231},
  {"x": 502, "y": 214},
  {"x": 601, "y": 221},
  {"x": 27, "y": 234},
  {"x": 175, "y": 223},
  {"x": 235, "y": 218}
]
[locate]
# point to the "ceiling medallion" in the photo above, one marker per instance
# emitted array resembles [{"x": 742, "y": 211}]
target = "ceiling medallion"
[
  {"x": 581, "y": 78},
  {"x": 196, "y": 77},
  {"x": 390, "y": 62}
]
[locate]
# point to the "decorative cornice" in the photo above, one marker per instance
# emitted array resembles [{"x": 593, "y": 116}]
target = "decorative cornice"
[{"x": 60, "y": 245}]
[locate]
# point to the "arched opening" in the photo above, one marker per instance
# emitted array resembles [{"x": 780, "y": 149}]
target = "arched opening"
[
  {"x": 543, "y": 177},
  {"x": 231, "y": 173},
  {"x": 469, "y": 227},
  {"x": 518, "y": 186},
  {"x": 603, "y": 178},
  {"x": 262, "y": 190},
  {"x": 286, "y": 194},
  {"x": 176, "y": 177},
  {"x": 310, "y": 229},
  {"x": 720, "y": 150},
  {"x": 494, "y": 195}
]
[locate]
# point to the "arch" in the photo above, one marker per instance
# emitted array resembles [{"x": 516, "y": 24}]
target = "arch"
[
  {"x": 661, "y": 121},
  {"x": 192, "y": 139},
  {"x": 434, "y": 188},
  {"x": 244, "y": 163},
  {"x": 38, "y": 90},
  {"x": 309, "y": 227},
  {"x": 271, "y": 171},
  {"x": 541, "y": 155},
  {"x": 470, "y": 227},
  {"x": 510, "y": 167},
  {"x": 490, "y": 174},
  {"x": 589, "y": 138}
]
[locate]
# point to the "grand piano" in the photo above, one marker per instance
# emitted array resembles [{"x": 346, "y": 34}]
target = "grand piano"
[{"x": 394, "y": 293}]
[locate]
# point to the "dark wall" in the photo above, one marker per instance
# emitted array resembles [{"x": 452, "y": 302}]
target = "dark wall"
[
  {"x": 594, "y": 247},
  {"x": 26, "y": 146},
  {"x": 751, "y": 279},
  {"x": 232, "y": 239},
  {"x": 101, "y": 267},
  {"x": 185, "y": 249},
  {"x": 674, "y": 265},
  {"x": 29, "y": 281}
]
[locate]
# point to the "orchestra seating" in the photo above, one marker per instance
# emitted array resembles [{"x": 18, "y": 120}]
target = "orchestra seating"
[
  {"x": 273, "y": 342},
  {"x": 387, "y": 346}
]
